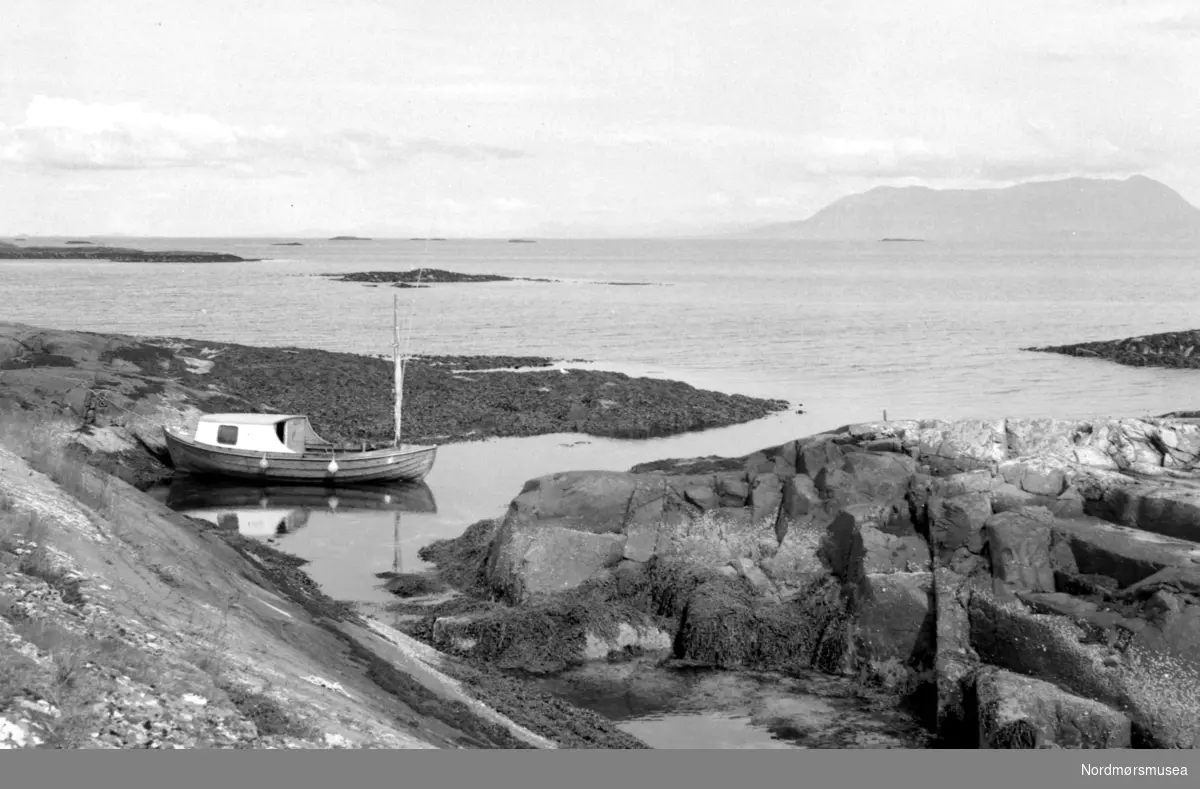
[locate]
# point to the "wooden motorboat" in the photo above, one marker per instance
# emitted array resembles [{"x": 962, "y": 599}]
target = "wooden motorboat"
[{"x": 284, "y": 448}]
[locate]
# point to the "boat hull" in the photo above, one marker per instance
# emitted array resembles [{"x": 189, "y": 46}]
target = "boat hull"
[{"x": 403, "y": 464}]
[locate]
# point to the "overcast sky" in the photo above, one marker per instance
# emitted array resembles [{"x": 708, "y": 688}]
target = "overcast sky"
[{"x": 478, "y": 117}]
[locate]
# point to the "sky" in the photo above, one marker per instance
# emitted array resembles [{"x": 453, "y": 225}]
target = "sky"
[{"x": 565, "y": 117}]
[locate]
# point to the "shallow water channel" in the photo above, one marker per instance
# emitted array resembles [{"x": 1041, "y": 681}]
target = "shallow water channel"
[
  {"x": 349, "y": 534},
  {"x": 702, "y": 708}
]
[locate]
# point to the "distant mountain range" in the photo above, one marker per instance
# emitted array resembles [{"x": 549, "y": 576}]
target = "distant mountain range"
[{"x": 1079, "y": 208}]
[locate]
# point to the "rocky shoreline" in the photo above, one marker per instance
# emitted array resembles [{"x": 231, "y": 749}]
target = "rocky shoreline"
[
  {"x": 1168, "y": 349},
  {"x": 1011, "y": 583},
  {"x": 126, "y": 625},
  {"x": 84, "y": 251},
  {"x": 124, "y": 389},
  {"x": 108, "y": 397},
  {"x": 1002, "y": 583}
]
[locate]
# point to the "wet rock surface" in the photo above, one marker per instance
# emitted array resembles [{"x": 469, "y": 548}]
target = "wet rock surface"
[{"x": 1006, "y": 581}]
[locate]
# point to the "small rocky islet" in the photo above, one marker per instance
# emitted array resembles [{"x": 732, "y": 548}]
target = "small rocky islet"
[
  {"x": 1176, "y": 349},
  {"x": 85, "y": 250},
  {"x": 421, "y": 277}
]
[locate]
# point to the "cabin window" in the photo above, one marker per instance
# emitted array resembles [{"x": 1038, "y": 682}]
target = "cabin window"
[
  {"x": 279, "y": 431},
  {"x": 227, "y": 434}
]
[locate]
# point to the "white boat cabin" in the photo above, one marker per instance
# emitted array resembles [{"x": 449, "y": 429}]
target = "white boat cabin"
[{"x": 286, "y": 433}]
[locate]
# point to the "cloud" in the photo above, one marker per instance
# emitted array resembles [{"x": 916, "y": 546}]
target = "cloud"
[
  {"x": 508, "y": 204},
  {"x": 493, "y": 92},
  {"x": 1042, "y": 155},
  {"x": 66, "y": 134},
  {"x": 1184, "y": 25},
  {"x": 1038, "y": 149}
]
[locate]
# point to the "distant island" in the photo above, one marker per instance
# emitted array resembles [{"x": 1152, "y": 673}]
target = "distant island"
[
  {"x": 419, "y": 238},
  {"x": 422, "y": 277},
  {"x": 79, "y": 242},
  {"x": 114, "y": 254},
  {"x": 348, "y": 238},
  {"x": 1068, "y": 209},
  {"x": 411, "y": 278},
  {"x": 885, "y": 240},
  {"x": 521, "y": 241},
  {"x": 287, "y": 244}
]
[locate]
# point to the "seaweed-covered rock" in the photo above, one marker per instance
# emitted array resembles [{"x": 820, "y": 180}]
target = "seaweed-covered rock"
[{"x": 1017, "y": 711}]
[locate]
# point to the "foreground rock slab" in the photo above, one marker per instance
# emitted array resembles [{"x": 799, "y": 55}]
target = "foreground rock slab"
[{"x": 123, "y": 624}]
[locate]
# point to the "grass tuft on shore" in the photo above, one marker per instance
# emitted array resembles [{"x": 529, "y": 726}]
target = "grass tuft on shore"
[{"x": 38, "y": 438}]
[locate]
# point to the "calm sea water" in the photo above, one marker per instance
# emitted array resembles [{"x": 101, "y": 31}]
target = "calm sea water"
[{"x": 846, "y": 330}]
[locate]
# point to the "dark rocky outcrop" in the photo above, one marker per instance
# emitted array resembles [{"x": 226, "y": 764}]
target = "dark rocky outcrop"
[
  {"x": 1020, "y": 583},
  {"x": 413, "y": 276},
  {"x": 419, "y": 277},
  {"x": 78, "y": 251},
  {"x": 1167, "y": 349}
]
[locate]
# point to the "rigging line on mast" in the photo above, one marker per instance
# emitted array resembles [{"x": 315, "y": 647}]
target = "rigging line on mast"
[{"x": 401, "y": 361}]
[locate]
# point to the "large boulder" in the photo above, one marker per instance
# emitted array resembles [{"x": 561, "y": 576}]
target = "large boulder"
[
  {"x": 1172, "y": 511},
  {"x": 1017, "y": 711},
  {"x": 592, "y": 501},
  {"x": 1124, "y": 554},
  {"x": 766, "y": 494},
  {"x": 855, "y": 546},
  {"x": 957, "y": 522},
  {"x": 549, "y": 560},
  {"x": 866, "y": 477},
  {"x": 1019, "y": 550},
  {"x": 1011, "y": 636},
  {"x": 895, "y": 624},
  {"x": 955, "y": 661}
]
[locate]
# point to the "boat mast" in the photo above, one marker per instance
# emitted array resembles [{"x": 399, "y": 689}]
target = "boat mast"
[{"x": 398, "y": 371}]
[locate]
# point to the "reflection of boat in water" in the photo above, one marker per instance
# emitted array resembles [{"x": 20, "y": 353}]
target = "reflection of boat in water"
[{"x": 264, "y": 511}]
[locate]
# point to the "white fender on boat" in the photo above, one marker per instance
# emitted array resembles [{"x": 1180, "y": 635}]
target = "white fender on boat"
[
  {"x": 263, "y": 463},
  {"x": 333, "y": 466}
]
